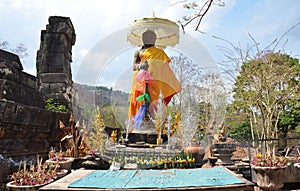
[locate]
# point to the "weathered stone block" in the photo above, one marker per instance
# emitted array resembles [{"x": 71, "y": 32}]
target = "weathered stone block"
[
  {"x": 10, "y": 90},
  {"x": 33, "y": 117},
  {"x": 44, "y": 89},
  {"x": 40, "y": 65},
  {"x": 53, "y": 89},
  {"x": 40, "y": 118},
  {"x": 2, "y": 107},
  {"x": 26, "y": 130},
  {"x": 9, "y": 73},
  {"x": 35, "y": 145},
  {"x": 10, "y": 145},
  {"x": 55, "y": 43},
  {"x": 9, "y": 111},
  {"x": 28, "y": 80},
  {"x": 22, "y": 117},
  {"x": 31, "y": 97},
  {"x": 58, "y": 88},
  {"x": 54, "y": 78},
  {"x": 54, "y": 62},
  {"x": 12, "y": 59},
  {"x": 59, "y": 24},
  {"x": 62, "y": 25}
]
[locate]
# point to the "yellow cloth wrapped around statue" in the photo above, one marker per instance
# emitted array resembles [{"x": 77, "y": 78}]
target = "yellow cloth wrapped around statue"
[{"x": 163, "y": 80}]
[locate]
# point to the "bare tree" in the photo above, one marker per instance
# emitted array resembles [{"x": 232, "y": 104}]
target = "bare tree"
[
  {"x": 21, "y": 50},
  {"x": 198, "y": 10},
  {"x": 236, "y": 55},
  {"x": 187, "y": 74},
  {"x": 203, "y": 94}
]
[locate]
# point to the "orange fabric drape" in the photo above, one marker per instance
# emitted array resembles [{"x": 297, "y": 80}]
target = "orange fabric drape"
[{"x": 163, "y": 81}]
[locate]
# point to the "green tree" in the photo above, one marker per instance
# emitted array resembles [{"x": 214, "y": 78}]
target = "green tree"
[
  {"x": 290, "y": 119},
  {"x": 239, "y": 123},
  {"x": 241, "y": 131},
  {"x": 263, "y": 90}
]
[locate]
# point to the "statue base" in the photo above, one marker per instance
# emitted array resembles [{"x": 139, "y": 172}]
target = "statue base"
[
  {"x": 145, "y": 134},
  {"x": 144, "y": 138},
  {"x": 147, "y": 127}
]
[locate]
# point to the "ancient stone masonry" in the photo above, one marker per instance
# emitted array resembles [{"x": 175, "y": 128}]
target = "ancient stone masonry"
[
  {"x": 54, "y": 78},
  {"x": 26, "y": 131},
  {"x": 26, "y": 128},
  {"x": 15, "y": 84}
]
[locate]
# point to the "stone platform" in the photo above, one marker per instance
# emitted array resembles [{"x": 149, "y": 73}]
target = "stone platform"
[{"x": 140, "y": 150}]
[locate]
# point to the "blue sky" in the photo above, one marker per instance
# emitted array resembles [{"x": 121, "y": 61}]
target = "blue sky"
[{"x": 265, "y": 20}]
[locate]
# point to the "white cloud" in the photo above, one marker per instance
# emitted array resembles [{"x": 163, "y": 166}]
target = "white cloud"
[{"x": 83, "y": 52}]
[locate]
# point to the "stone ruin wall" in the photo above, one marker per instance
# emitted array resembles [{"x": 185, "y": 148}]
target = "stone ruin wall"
[
  {"x": 15, "y": 84},
  {"x": 26, "y": 128},
  {"x": 54, "y": 77}
]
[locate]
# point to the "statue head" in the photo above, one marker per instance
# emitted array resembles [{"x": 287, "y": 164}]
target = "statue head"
[{"x": 149, "y": 37}]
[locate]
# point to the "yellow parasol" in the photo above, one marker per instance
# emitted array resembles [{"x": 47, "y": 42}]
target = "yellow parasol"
[{"x": 167, "y": 32}]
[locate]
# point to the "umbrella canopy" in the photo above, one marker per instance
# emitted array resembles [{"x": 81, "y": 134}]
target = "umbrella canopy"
[{"x": 167, "y": 32}]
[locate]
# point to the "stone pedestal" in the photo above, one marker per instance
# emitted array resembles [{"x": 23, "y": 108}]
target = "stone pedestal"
[
  {"x": 223, "y": 151},
  {"x": 145, "y": 138},
  {"x": 146, "y": 133},
  {"x": 147, "y": 127},
  {"x": 292, "y": 172},
  {"x": 269, "y": 178}
]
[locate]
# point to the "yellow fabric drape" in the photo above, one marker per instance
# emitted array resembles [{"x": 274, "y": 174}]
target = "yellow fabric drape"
[{"x": 163, "y": 81}]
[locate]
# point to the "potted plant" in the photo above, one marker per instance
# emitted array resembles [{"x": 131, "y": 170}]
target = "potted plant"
[
  {"x": 64, "y": 162},
  {"x": 269, "y": 171},
  {"x": 32, "y": 178}
]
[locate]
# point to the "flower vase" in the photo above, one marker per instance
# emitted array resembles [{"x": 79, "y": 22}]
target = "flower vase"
[
  {"x": 196, "y": 151},
  {"x": 212, "y": 161},
  {"x": 269, "y": 178}
]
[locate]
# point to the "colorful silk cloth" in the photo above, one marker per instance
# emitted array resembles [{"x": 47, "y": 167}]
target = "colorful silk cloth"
[{"x": 159, "y": 79}]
